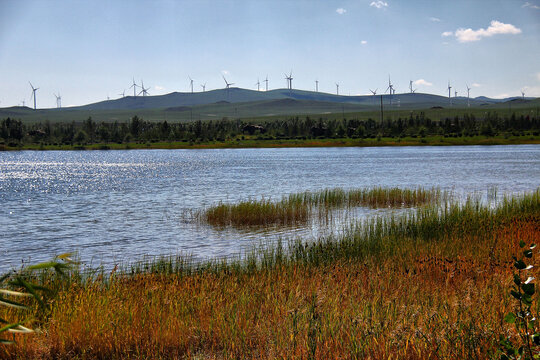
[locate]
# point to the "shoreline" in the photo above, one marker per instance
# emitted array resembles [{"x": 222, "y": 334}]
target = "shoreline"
[{"x": 288, "y": 143}]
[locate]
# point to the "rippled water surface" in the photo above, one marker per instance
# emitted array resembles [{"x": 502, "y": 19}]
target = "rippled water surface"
[{"x": 113, "y": 206}]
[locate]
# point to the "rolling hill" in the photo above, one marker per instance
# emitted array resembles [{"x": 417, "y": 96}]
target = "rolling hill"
[{"x": 244, "y": 103}]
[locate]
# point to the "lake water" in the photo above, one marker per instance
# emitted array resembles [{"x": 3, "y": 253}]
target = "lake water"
[{"x": 117, "y": 206}]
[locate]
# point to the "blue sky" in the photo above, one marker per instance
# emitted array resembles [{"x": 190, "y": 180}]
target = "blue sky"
[{"x": 88, "y": 50}]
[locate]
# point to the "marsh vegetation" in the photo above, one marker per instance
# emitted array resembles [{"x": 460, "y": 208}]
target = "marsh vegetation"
[
  {"x": 429, "y": 283},
  {"x": 299, "y": 208}
]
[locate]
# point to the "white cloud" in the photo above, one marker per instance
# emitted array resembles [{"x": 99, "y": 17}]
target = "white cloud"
[
  {"x": 447, "y": 33},
  {"x": 422, "y": 82},
  {"x": 495, "y": 28},
  {"x": 363, "y": 42},
  {"x": 529, "y": 5},
  {"x": 379, "y": 4},
  {"x": 159, "y": 88},
  {"x": 341, "y": 11},
  {"x": 434, "y": 19},
  {"x": 476, "y": 85}
]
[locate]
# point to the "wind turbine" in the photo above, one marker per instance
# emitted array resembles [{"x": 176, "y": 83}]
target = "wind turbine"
[
  {"x": 144, "y": 90},
  {"x": 58, "y": 100},
  {"x": 468, "y": 93},
  {"x": 123, "y": 94},
  {"x": 258, "y": 83},
  {"x": 317, "y": 85},
  {"x": 410, "y": 87},
  {"x": 374, "y": 92},
  {"x": 191, "y": 83},
  {"x": 449, "y": 93},
  {"x": 228, "y": 84},
  {"x": 337, "y": 89},
  {"x": 203, "y": 87},
  {"x": 289, "y": 80},
  {"x": 455, "y": 93},
  {"x": 266, "y": 81},
  {"x": 391, "y": 88},
  {"x": 134, "y": 86},
  {"x": 33, "y": 93},
  {"x": 523, "y": 94}
]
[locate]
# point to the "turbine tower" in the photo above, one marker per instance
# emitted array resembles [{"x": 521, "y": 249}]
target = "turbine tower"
[
  {"x": 33, "y": 93},
  {"x": 203, "y": 87},
  {"x": 58, "y": 100},
  {"x": 468, "y": 93},
  {"x": 266, "y": 81},
  {"x": 144, "y": 90},
  {"x": 191, "y": 83},
  {"x": 449, "y": 93},
  {"x": 455, "y": 93},
  {"x": 289, "y": 80},
  {"x": 134, "y": 86},
  {"x": 316, "y": 85},
  {"x": 410, "y": 87},
  {"x": 523, "y": 94},
  {"x": 337, "y": 89},
  {"x": 258, "y": 83},
  {"x": 391, "y": 88}
]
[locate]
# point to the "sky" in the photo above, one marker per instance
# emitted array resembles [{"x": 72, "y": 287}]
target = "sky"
[{"x": 86, "y": 51}]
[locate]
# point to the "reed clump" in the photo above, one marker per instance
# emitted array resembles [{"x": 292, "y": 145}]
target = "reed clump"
[
  {"x": 298, "y": 208},
  {"x": 432, "y": 283},
  {"x": 252, "y": 213}
]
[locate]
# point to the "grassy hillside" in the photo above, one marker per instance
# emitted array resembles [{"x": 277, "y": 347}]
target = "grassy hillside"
[{"x": 241, "y": 103}]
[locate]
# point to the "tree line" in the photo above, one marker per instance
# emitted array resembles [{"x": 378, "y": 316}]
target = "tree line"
[{"x": 14, "y": 132}]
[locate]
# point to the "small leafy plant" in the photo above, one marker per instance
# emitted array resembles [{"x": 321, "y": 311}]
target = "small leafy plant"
[
  {"x": 527, "y": 344},
  {"x": 24, "y": 284}
]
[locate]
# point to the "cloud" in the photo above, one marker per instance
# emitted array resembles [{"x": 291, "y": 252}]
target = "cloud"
[
  {"x": 422, "y": 82},
  {"x": 447, "y": 33},
  {"x": 529, "y": 5},
  {"x": 225, "y": 72},
  {"x": 341, "y": 11},
  {"x": 495, "y": 28},
  {"x": 476, "y": 85},
  {"x": 434, "y": 19},
  {"x": 379, "y": 4},
  {"x": 159, "y": 88},
  {"x": 363, "y": 42}
]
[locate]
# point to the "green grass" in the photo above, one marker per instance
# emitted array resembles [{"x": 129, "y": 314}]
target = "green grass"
[
  {"x": 299, "y": 208},
  {"x": 254, "y": 142}
]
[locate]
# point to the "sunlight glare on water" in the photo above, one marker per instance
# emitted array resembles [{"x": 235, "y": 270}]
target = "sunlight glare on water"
[{"x": 113, "y": 206}]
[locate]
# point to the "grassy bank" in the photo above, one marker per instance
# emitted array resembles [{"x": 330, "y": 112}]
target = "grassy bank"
[
  {"x": 428, "y": 284},
  {"x": 298, "y": 208},
  {"x": 254, "y": 142}
]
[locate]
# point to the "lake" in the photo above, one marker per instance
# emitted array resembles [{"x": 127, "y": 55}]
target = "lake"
[{"x": 117, "y": 206}]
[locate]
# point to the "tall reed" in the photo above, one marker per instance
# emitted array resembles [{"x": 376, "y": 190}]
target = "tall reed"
[{"x": 298, "y": 208}]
